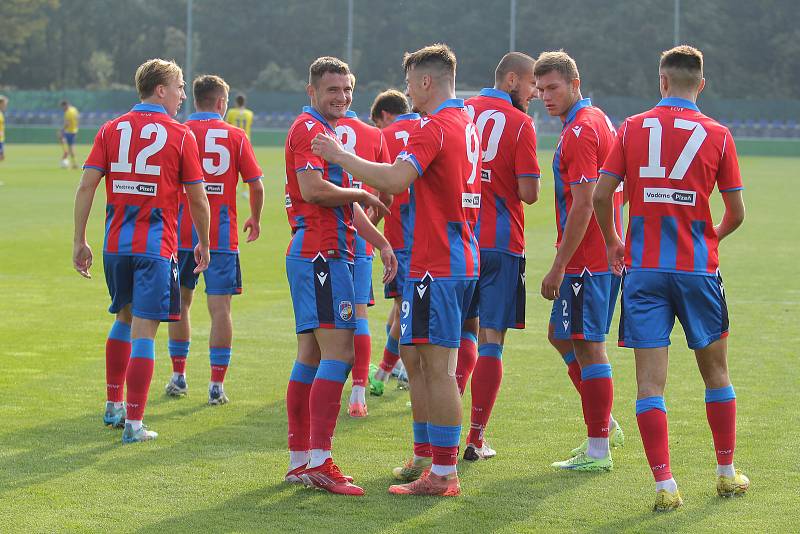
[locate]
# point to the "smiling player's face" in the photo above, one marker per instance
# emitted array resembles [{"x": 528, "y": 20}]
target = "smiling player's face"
[
  {"x": 331, "y": 95},
  {"x": 524, "y": 91}
]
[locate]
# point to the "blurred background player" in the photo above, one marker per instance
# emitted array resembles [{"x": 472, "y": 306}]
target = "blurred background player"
[
  {"x": 509, "y": 176},
  {"x": 580, "y": 283},
  {"x": 68, "y": 132},
  {"x": 671, "y": 258},
  {"x": 146, "y": 157},
  {"x": 226, "y": 154},
  {"x": 324, "y": 213},
  {"x": 390, "y": 112},
  {"x": 240, "y": 116},
  {"x": 441, "y": 164},
  {"x": 367, "y": 142},
  {"x": 3, "y": 107}
]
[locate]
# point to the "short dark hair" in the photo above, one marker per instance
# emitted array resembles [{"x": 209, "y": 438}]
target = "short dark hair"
[
  {"x": 558, "y": 61},
  {"x": 438, "y": 56},
  {"x": 513, "y": 62},
  {"x": 391, "y": 101},
  {"x": 207, "y": 88},
  {"x": 683, "y": 65},
  {"x": 326, "y": 64},
  {"x": 240, "y": 100}
]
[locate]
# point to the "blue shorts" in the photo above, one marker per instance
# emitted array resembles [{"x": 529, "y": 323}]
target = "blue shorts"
[
  {"x": 69, "y": 138},
  {"x": 1, "y": 149},
  {"x": 223, "y": 276},
  {"x": 651, "y": 300},
  {"x": 585, "y": 306},
  {"x": 323, "y": 295},
  {"x": 394, "y": 288},
  {"x": 362, "y": 280},
  {"x": 502, "y": 281},
  {"x": 150, "y": 285},
  {"x": 433, "y": 311}
]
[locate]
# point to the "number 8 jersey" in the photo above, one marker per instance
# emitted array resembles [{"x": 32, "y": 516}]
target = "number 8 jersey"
[
  {"x": 445, "y": 200},
  {"x": 671, "y": 158},
  {"x": 146, "y": 156}
]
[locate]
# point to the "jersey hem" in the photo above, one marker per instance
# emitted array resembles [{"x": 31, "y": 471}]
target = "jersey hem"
[
  {"x": 140, "y": 254},
  {"x": 669, "y": 271}
]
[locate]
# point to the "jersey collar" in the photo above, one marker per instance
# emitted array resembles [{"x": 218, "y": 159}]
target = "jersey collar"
[
  {"x": 151, "y": 108},
  {"x": 495, "y": 93},
  {"x": 350, "y": 114},
  {"x": 407, "y": 117},
  {"x": 675, "y": 102},
  {"x": 204, "y": 116},
  {"x": 314, "y": 113},
  {"x": 579, "y": 105},
  {"x": 449, "y": 103}
]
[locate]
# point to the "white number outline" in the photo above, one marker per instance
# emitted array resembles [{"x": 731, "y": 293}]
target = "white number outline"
[
  {"x": 473, "y": 144},
  {"x": 222, "y": 151},
  {"x": 685, "y": 158},
  {"x": 123, "y": 165}
]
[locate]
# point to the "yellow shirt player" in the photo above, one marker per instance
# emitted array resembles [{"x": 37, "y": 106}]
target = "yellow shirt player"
[
  {"x": 240, "y": 116},
  {"x": 3, "y": 106},
  {"x": 68, "y": 133}
]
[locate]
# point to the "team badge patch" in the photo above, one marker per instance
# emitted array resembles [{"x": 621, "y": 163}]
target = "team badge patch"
[{"x": 346, "y": 310}]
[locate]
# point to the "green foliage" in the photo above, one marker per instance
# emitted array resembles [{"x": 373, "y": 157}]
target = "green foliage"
[{"x": 19, "y": 21}]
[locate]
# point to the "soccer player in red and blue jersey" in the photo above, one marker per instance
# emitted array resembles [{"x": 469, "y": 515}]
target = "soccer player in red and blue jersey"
[
  {"x": 146, "y": 157},
  {"x": 225, "y": 153},
  {"x": 324, "y": 213},
  {"x": 366, "y": 142},
  {"x": 671, "y": 158},
  {"x": 580, "y": 283},
  {"x": 509, "y": 177},
  {"x": 442, "y": 165}
]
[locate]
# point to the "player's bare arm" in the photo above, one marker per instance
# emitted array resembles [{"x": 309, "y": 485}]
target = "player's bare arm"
[
  {"x": 374, "y": 215},
  {"x": 316, "y": 190},
  {"x": 528, "y": 189},
  {"x": 733, "y": 216},
  {"x": 603, "y": 201},
  {"x": 81, "y": 252},
  {"x": 391, "y": 178},
  {"x": 252, "y": 226},
  {"x": 375, "y": 238},
  {"x": 201, "y": 218},
  {"x": 577, "y": 221}
]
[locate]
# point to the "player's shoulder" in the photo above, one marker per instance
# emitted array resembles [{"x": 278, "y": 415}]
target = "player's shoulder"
[{"x": 305, "y": 127}]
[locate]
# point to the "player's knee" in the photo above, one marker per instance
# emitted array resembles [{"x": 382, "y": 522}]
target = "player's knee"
[
  {"x": 471, "y": 326},
  {"x": 125, "y": 315}
]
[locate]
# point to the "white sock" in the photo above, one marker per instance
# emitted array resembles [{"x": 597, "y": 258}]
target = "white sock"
[
  {"x": 670, "y": 485},
  {"x": 298, "y": 458},
  {"x": 135, "y": 425},
  {"x": 612, "y": 423},
  {"x": 381, "y": 375},
  {"x": 358, "y": 395},
  {"x": 318, "y": 457},
  {"x": 176, "y": 375},
  {"x": 442, "y": 470},
  {"x": 212, "y": 384},
  {"x": 117, "y": 405},
  {"x": 598, "y": 447},
  {"x": 726, "y": 470}
]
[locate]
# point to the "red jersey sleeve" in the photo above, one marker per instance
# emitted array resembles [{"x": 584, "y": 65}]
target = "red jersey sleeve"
[
  {"x": 97, "y": 157},
  {"x": 300, "y": 146},
  {"x": 383, "y": 156},
  {"x": 525, "y": 163},
  {"x": 581, "y": 145},
  {"x": 191, "y": 172},
  {"x": 248, "y": 165},
  {"x": 614, "y": 165},
  {"x": 728, "y": 176},
  {"x": 424, "y": 144}
]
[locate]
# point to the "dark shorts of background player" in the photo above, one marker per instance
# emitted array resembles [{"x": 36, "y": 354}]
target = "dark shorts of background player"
[
  {"x": 434, "y": 310},
  {"x": 150, "y": 285},
  {"x": 502, "y": 281},
  {"x": 69, "y": 138},
  {"x": 651, "y": 300},
  {"x": 1, "y": 149},
  {"x": 362, "y": 279},
  {"x": 323, "y": 295},
  {"x": 223, "y": 276},
  {"x": 394, "y": 288},
  {"x": 585, "y": 306}
]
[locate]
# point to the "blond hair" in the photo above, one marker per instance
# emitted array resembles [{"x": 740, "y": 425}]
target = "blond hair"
[
  {"x": 155, "y": 72},
  {"x": 207, "y": 88},
  {"x": 683, "y": 66},
  {"x": 556, "y": 60}
]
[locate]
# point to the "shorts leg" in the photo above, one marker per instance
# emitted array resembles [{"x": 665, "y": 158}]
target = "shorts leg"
[
  {"x": 224, "y": 274},
  {"x": 647, "y": 311},
  {"x": 394, "y": 288},
  {"x": 186, "y": 267},
  {"x": 322, "y": 292},
  {"x": 362, "y": 278},
  {"x": 156, "y": 289},
  {"x": 119, "y": 280},
  {"x": 582, "y": 309},
  {"x": 433, "y": 311},
  {"x": 701, "y": 308},
  {"x": 503, "y": 281}
]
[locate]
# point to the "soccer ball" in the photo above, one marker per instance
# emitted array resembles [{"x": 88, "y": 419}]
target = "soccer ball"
[{"x": 64, "y": 163}]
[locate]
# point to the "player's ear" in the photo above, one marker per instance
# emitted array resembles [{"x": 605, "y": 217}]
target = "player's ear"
[
  {"x": 310, "y": 90},
  {"x": 701, "y": 86}
]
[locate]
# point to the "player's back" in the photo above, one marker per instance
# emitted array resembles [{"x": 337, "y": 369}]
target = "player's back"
[
  {"x": 241, "y": 118},
  {"x": 673, "y": 156},
  {"x": 508, "y": 142},
  {"x": 397, "y": 225},
  {"x": 71, "y": 119}
]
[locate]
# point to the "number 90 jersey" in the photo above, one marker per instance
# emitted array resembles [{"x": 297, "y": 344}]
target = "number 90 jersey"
[
  {"x": 225, "y": 153},
  {"x": 671, "y": 158},
  {"x": 146, "y": 156},
  {"x": 445, "y": 200}
]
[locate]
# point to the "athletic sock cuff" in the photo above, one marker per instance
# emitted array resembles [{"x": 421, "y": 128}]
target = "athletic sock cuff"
[
  {"x": 493, "y": 350},
  {"x": 178, "y": 347},
  {"x": 444, "y": 436},
  {"x": 597, "y": 370},
  {"x": 120, "y": 331},
  {"x": 333, "y": 370},
  {"x": 420, "y": 432},
  {"x": 303, "y": 373},
  {"x": 568, "y": 357},
  {"x": 650, "y": 403},
  {"x": 219, "y": 355},
  {"x": 143, "y": 348},
  {"x": 362, "y": 326},
  {"x": 470, "y": 337},
  {"x": 720, "y": 394},
  {"x": 393, "y": 345}
]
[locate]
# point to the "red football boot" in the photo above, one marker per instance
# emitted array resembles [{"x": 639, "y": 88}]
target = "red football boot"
[{"x": 328, "y": 477}]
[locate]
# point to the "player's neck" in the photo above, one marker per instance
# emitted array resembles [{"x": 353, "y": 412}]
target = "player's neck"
[
  {"x": 690, "y": 96},
  {"x": 437, "y": 99},
  {"x": 578, "y": 98}
]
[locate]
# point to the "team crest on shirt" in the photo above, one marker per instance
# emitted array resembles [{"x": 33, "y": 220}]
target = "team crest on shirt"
[{"x": 346, "y": 310}]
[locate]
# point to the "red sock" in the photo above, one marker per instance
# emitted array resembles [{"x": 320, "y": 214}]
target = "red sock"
[
  {"x": 655, "y": 437},
  {"x": 178, "y": 352},
  {"x": 423, "y": 450},
  {"x": 597, "y": 396},
  {"x": 722, "y": 420},
  {"x": 445, "y": 455},
  {"x": 297, "y": 412},
  {"x": 218, "y": 373},
  {"x": 118, "y": 353},
  {"x": 485, "y": 384},
  {"x": 140, "y": 372},
  {"x": 363, "y": 354},
  {"x": 574, "y": 372},
  {"x": 467, "y": 357},
  {"x": 325, "y": 400},
  {"x": 389, "y": 361}
]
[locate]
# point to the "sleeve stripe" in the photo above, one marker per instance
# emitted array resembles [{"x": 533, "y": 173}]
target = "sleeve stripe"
[
  {"x": 307, "y": 168},
  {"x": 248, "y": 180},
  {"x": 412, "y": 159},
  {"x": 529, "y": 176},
  {"x": 101, "y": 169},
  {"x": 583, "y": 180},
  {"x": 617, "y": 176},
  {"x": 197, "y": 181},
  {"x": 731, "y": 189}
]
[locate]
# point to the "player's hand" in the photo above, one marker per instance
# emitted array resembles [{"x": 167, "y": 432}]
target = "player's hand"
[
  {"x": 616, "y": 256},
  {"x": 389, "y": 261},
  {"x": 82, "y": 259},
  {"x": 202, "y": 257},
  {"x": 374, "y": 207},
  {"x": 326, "y": 146},
  {"x": 552, "y": 283},
  {"x": 254, "y": 228}
]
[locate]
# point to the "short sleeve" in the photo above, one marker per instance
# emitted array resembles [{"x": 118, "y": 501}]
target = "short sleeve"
[
  {"x": 248, "y": 165},
  {"x": 97, "y": 157},
  {"x": 300, "y": 145},
  {"x": 728, "y": 176},
  {"x": 614, "y": 165},
  {"x": 383, "y": 156},
  {"x": 525, "y": 162},
  {"x": 580, "y": 147},
  {"x": 424, "y": 144},
  {"x": 191, "y": 173}
]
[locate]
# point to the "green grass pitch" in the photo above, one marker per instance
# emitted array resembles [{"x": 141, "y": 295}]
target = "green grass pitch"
[{"x": 221, "y": 468}]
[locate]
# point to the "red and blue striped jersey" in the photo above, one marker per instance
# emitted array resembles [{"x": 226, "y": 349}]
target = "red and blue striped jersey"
[
  {"x": 225, "y": 153},
  {"x": 145, "y": 155},
  {"x": 585, "y": 142},
  {"x": 397, "y": 225},
  {"x": 670, "y": 159},
  {"x": 508, "y": 139},
  {"x": 444, "y": 201},
  {"x": 366, "y": 142},
  {"x": 315, "y": 229}
]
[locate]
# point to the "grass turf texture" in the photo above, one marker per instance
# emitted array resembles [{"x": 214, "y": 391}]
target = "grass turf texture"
[{"x": 221, "y": 468}]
